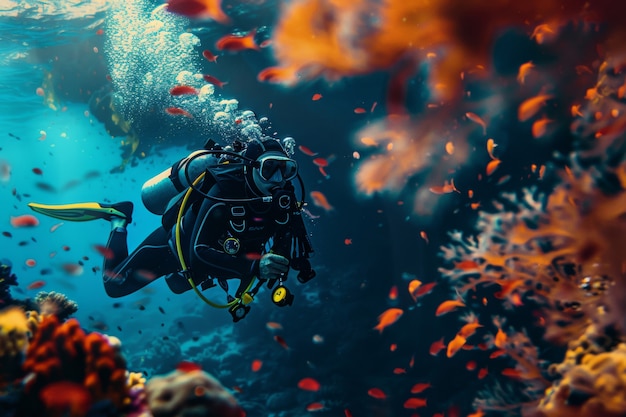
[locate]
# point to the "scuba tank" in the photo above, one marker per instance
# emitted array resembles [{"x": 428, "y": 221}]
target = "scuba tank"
[{"x": 160, "y": 190}]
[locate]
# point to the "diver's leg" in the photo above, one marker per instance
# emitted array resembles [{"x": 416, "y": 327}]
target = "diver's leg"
[{"x": 124, "y": 274}]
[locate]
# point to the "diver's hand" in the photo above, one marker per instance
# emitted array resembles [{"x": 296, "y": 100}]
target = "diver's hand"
[{"x": 272, "y": 266}]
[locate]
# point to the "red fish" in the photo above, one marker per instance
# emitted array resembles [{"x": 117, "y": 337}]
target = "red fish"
[
  {"x": 321, "y": 162},
  {"x": 376, "y": 393},
  {"x": 35, "y": 285},
  {"x": 315, "y": 407},
  {"x": 420, "y": 387},
  {"x": 309, "y": 384},
  {"x": 104, "y": 251},
  {"x": 25, "y": 220},
  {"x": 316, "y": 96},
  {"x": 415, "y": 403},
  {"x": 256, "y": 365},
  {"x": 281, "y": 342},
  {"x": 209, "y": 56},
  {"x": 437, "y": 346},
  {"x": 306, "y": 150},
  {"x": 176, "y": 111},
  {"x": 213, "y": 80},
  {"x": 237, "y": 42},
  {"x": 180, "y": 90}
]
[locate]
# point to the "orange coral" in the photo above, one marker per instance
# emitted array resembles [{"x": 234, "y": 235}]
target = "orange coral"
[{"x": 338, "y": 38}]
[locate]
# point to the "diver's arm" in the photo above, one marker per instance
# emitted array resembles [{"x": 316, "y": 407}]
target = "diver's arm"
[{"x": 210, "y": 225}]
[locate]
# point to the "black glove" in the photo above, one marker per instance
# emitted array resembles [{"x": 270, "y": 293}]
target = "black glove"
[{"x": 273, "y": 266}]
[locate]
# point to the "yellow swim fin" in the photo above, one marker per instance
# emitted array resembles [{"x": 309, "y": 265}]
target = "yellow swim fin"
[{"x": 84, "y": 212}]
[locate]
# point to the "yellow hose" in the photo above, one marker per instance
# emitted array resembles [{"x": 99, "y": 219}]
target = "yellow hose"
[{"x": 181, "y": 259}]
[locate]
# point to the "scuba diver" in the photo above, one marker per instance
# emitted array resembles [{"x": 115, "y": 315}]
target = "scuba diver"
[{"x": 226, "y": 213}]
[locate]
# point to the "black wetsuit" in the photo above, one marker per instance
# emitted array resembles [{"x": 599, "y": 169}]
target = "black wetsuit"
[{"x": 206, "y": 227}]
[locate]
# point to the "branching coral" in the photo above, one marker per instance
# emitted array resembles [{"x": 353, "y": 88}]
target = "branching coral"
[{"x": 55, "y": 303}]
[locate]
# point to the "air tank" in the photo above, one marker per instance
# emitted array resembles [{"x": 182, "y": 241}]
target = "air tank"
[{"x": 158, "y": 191}]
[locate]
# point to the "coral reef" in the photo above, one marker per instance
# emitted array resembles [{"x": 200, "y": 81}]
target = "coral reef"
[
  {"x": 55, "y": 303},
  {"x": 180, "y": 394},
  {"x": 14, "y": 334},
  {"x": 592, "y": 378},
  {"x": 64, "y": 352}
]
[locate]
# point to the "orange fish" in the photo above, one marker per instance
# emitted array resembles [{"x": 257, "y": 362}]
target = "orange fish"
[
  {"x": 531, "y": 106},
  {"x": 448, "y": 306},
  {"x": 449, "y": 148},
  {"x": 477, "y": 119},
  {"x": 446, "y": 188},
  {"x": 413, "y": 287},
  {"x": 199, "y": 9},
  {"x": 387, "y": 318},
  {"x": 524, "y": 69},
  {"x": 320, "y": 200},
  {"x": 316, "y": 96},
  {"x": 492, "y": 166},
  {"x": 500, "y": 339},
  {"x": 420, "y": 387},
  {"x": 424, "y": 236},
  {"x": 415, "y": 403},
  {"x": 309, "y": 384},
  {"x": 237, "y": 42},
  {"x": 180, "y": 90},
  {"x": 469, "y": 329},
  {"x": 455, "y": 345},
  {"x": 376, "y": 393},
  {"x": 278, "y": 75},
  {"x": 360, "y": 110},
  {"x": 540, "y": 127},
  {"x": 491, "y": 145}
]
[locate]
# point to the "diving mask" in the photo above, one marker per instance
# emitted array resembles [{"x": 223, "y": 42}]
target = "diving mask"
[{"x": 270, "y": 164}]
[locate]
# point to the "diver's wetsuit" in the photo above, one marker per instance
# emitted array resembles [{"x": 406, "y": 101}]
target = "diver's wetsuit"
[{"x": 206, "y": 227}]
